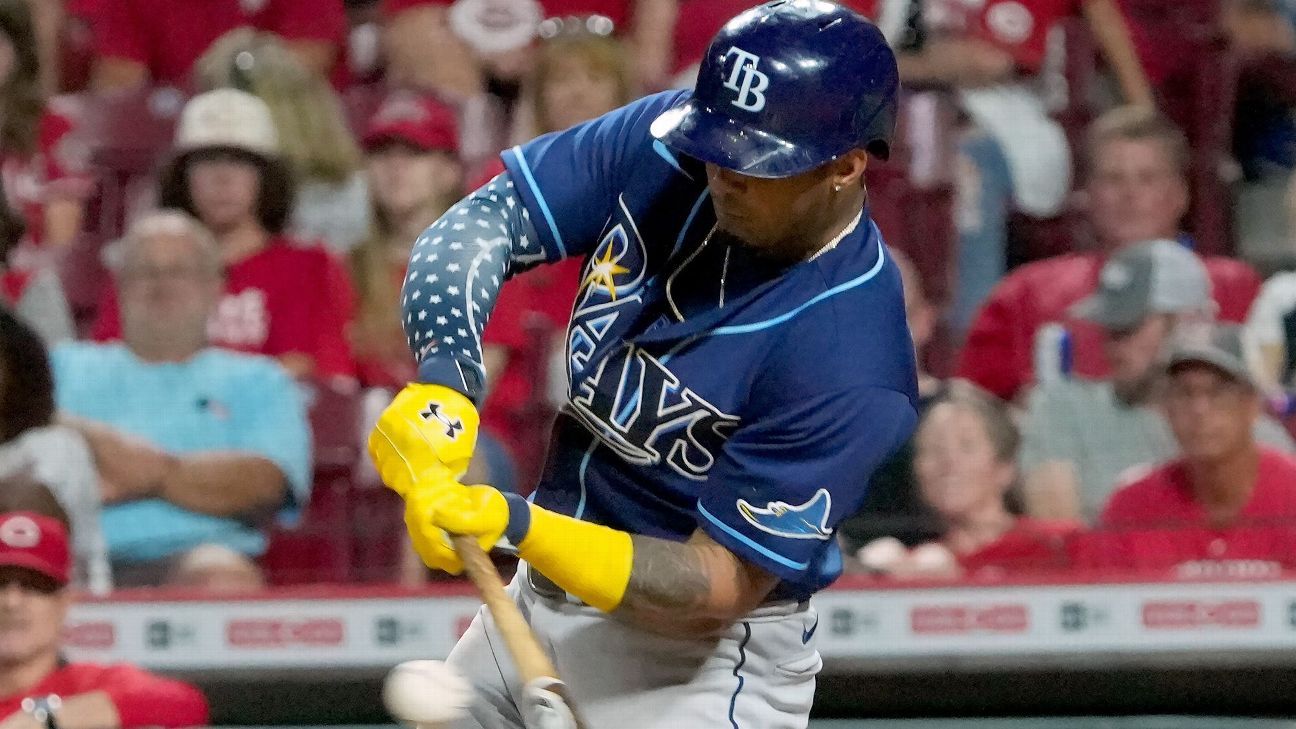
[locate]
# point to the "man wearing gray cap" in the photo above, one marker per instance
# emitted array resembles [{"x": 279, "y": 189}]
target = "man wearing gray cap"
[
  {"x": 1081, "y": 436},
  {"x": 1227, "y": 505}
]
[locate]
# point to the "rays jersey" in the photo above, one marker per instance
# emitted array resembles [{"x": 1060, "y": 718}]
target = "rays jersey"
[{"x": 708, "y": 388}]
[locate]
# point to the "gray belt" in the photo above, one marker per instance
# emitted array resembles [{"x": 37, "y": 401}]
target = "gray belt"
[{"x": 546, "y": 588}]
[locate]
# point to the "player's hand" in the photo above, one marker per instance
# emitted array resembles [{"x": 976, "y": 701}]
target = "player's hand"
[
  {"x": 434, "y": 509},
  {"x": 427, "y": 433}
]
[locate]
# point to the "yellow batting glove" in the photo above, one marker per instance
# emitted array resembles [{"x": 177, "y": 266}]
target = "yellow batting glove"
[
  {"x": 430, "y": 541},
  {"x": 477, "y": 511},
  {"x": 434, "y": 509},
  {"x": 588, "y": 560},
  {"x": 427, "y": 433}
]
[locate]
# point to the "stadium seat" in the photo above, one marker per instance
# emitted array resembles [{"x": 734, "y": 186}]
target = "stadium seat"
[
  {"x": 129, "y": 135},
  {"x": 911, "y": 199},
  {"x": 376, "y": 517},
  {"x": 911, "y": 195},
  {"x": 318, "y": 548},
  {"x": 1198, "y": 94}
]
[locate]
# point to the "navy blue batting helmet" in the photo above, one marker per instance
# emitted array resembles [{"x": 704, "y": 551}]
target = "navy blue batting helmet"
[{"x": 785, "y": 87}]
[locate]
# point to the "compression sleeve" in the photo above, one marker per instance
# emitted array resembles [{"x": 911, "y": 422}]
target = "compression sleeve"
[{"x": 455, "y": 272}]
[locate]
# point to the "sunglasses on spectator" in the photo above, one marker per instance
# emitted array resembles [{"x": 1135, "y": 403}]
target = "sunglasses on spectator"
[{"x": 600, "y": 25}]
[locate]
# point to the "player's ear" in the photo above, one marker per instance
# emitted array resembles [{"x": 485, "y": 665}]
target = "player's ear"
[{"x": 848, "y": 169}]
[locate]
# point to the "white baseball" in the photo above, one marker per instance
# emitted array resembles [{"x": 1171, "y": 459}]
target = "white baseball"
[
  {"x": 428, "y": 694},
  {"x": 933, "y": 557},
  {"x": 882, "y": 554}
]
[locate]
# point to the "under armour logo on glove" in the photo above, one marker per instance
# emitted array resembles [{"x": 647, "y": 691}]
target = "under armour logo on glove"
[{"x": 433, "y": 410}]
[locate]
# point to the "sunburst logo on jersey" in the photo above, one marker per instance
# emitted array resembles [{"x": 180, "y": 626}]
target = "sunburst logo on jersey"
[{"x": 604, "y": 272}]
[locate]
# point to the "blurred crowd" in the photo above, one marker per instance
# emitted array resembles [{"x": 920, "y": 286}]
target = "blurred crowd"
[{"x": 208, "y": 207}]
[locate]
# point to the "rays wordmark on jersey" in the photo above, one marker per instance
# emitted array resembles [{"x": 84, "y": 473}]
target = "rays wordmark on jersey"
[{"x": 635, "y": 404}]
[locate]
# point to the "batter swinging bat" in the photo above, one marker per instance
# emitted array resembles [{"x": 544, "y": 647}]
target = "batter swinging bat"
[{"x": 544, "y": 704}]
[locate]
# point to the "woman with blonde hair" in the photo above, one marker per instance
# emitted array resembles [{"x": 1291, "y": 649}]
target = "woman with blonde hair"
[
  {"x": 581, "y": 72},
  {"x": 315, "y": 140}
]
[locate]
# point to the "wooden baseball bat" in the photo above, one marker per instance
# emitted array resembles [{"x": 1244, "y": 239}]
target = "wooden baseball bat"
[{"x": 532, "y": 662}]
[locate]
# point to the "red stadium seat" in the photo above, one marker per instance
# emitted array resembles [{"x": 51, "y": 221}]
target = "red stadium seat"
[
  {"x": 911, "y": 199},
  {"x": 376, "y": 519},
  {"x": 318, "y": 549},
  {"x": 1198, "y": 93},
  {"x": 129, "y": 135}
]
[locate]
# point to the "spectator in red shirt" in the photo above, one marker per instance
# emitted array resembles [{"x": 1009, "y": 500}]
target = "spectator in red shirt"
[
  {"x": 1226, "y": 499},
  {"x": 157, "y": 41},
  {"x": 1137, "y": 191},
  {"x": 965, "y": 463},
  {"x": 411, "y": 147},
  {"x": 43, "y": 165},
  {"x": 34, "y": 601},
  {"x": 283, "y": 297}
]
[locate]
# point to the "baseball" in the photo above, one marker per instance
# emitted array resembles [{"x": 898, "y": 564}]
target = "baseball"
[
  {"x": 427, "y": 694},
  {"x": 933, "y": 557},
  {"x": 880, "y": 555}
]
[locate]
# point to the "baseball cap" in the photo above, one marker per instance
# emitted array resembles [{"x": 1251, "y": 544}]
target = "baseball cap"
[
  {"x": 35, "y": 542},
  {"x": 227, "y": 118},
  {"x": 420, "y": 121},
  {"x": 1153, "y": 277},
  {"x": 1222, "y": 346},
  {"x": 496, "y": 26}
]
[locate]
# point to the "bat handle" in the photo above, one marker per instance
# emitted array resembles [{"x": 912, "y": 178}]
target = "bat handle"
[{"x": 531, "y": 660}]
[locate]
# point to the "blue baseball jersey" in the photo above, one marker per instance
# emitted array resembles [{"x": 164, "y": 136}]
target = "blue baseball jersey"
[{"x": 710, "y": 388}]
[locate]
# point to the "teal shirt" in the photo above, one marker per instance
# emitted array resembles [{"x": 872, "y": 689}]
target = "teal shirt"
[{"x": 217, "y": 400}]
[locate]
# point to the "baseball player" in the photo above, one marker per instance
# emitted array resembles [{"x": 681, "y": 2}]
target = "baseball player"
[{"x": 738, "y": 365}]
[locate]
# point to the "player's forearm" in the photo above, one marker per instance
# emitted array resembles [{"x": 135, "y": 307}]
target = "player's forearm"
[
  {"x": 695, "y": 586},
  {"x": 455, "y": 273}
]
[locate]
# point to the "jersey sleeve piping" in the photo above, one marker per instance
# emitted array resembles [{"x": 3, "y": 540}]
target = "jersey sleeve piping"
[{"x": 516, "y": 156}]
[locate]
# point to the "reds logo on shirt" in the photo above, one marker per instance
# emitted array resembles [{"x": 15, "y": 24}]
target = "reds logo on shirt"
[
  {"x": 1010, "y": 22},
  {"x": 241, "y": 320}
]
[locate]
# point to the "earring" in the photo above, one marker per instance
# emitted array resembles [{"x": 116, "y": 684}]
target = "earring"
[{"x": 837, "y": 188}]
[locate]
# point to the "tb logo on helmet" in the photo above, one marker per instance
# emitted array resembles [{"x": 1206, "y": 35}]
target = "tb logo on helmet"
[{"x": 746, "y": 80}]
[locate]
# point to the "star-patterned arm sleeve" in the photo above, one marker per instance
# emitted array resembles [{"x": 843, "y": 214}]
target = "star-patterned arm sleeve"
[{"x": 455, "y": 272}]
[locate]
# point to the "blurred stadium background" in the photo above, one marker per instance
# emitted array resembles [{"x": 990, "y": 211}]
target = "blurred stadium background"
[{"x": 335, "y": 599}]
